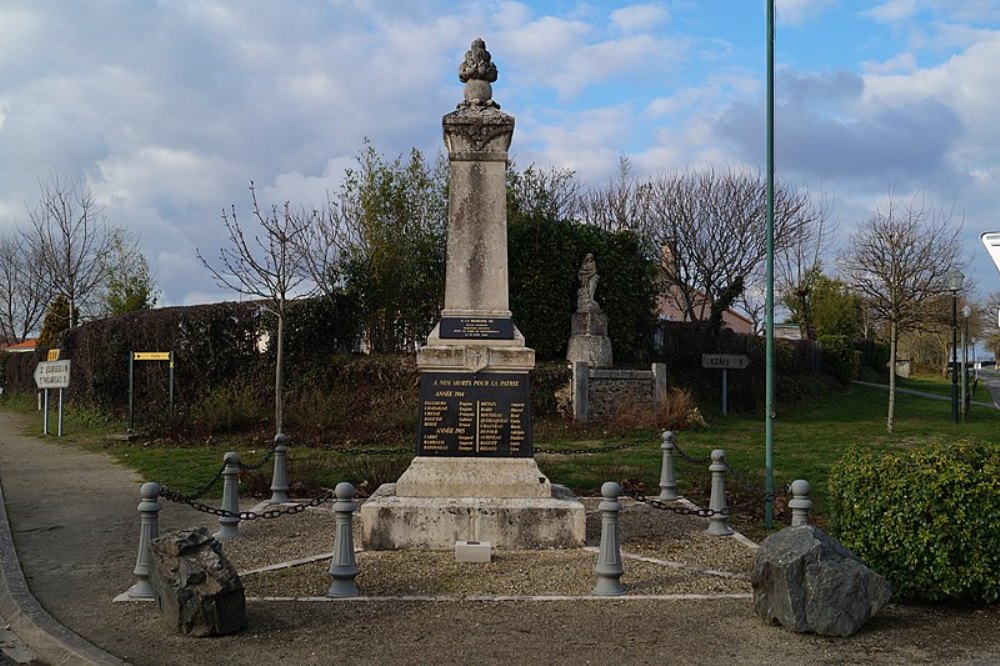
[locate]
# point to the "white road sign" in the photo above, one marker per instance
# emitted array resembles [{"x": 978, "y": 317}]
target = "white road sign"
[
  {"x": 52, "y": 374},
  {"x": 724, "y": 361},
  {"x": 991, "y": 240}
]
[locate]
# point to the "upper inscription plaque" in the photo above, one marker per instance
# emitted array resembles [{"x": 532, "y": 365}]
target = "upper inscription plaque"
[
  {"x": 477, "y": 328},
  {"x": 475, "y": 414}
]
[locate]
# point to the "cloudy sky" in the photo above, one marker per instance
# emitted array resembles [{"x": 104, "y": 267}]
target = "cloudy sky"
[{"x": 167, "y": 109}]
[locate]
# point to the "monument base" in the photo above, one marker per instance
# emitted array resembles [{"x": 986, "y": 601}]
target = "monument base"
[
  {"x": 589, "y": 341},
  {"x": 474, "y": 477},
  {"x": 391, "y": 522}
]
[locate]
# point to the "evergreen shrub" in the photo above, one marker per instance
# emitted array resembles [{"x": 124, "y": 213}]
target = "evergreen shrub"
[
  {"x": 544, "y": 256},
  {"x": 928, "y": 519}
]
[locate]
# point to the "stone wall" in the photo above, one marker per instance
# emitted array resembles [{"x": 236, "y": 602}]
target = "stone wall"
[{"x": 598, "y": 392}]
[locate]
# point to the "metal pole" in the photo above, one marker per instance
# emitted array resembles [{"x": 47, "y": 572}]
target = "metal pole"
[
  {"x": 966, "y": 396},
  {"x": 725, "y": 391},
  {"x": 59, "y": 430},
  {"x": 769, "y": 280},
  {"x": 131, "y": 372},
  {"x": 954, "y": 357},
  {"x": 965, "y": 361},
  {"x": 45, "y": 412},
  {"x": 171, "y": 382}
]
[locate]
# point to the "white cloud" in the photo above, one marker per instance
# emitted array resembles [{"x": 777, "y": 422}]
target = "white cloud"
[
  {"x": 892, "y": 11},
  {"x": 798, "y": 12},
  {"x": 639, "y": 18}
]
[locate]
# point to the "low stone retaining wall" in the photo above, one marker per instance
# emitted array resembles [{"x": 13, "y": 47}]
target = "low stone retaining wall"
[{"x": 597, "y": 393}]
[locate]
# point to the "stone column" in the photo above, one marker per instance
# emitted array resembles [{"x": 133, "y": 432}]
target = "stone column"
[{"x": 474, "y": 477}]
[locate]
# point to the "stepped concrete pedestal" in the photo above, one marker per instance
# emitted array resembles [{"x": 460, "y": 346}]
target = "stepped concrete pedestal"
[{"x": 474, "y": 477}]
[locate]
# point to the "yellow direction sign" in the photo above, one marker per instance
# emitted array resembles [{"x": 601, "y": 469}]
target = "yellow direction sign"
[
  {"x": 53, "y": 355},
  {"x": 150, "y": 356}
]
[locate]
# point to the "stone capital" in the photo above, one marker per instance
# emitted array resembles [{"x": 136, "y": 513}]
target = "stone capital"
[{"x": 478, "y": 133}]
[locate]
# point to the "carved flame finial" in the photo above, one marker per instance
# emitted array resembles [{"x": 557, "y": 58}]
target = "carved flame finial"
[{"x": 477, "y": 72}]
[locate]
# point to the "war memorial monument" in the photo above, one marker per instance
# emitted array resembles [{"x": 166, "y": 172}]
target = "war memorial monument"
[{"x": 474, "y": 477}]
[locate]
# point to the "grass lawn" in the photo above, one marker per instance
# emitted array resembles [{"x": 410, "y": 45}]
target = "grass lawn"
[{"x": 809, "y": 437}]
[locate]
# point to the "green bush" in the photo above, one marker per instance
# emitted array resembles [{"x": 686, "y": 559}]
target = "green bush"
[
  {"x": 928, "y": 519},
  {"x": 839, "y": 358},
  {"x": 544, "y": 257}
]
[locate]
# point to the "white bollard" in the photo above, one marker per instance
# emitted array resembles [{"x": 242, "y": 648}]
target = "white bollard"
[
  {"x": 149, "y": 529},
  {"x": 229, "y": 526},
  {"x": 343, "y": 567},
  {"x": 609, "y": 567},
  {"x": 279, "y": 480},
  {"x": 800, "y": 504},
  {"x": 718, "y": 523},
  {"x": 668, "y": 487}
]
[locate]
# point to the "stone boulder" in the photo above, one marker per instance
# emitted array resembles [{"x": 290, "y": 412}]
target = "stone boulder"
[
  {"x": 199, "y": 590},
  {"x": 808, "y": 582}
]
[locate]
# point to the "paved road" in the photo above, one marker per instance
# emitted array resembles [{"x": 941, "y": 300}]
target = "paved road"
[{"x": 925, "y": 394}]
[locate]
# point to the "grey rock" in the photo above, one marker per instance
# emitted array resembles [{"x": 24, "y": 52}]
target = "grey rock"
[
  {"x": 808, "y": 582},
  {"x": 199, "y": 590}
]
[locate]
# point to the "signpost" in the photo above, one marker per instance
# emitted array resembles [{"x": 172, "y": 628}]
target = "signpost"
[
  {"x": 725, "y": 362},
  {"x": 147, "y": 356},
  {"x": 52, "y": 375},
  {"x": 991, "y": 240}
]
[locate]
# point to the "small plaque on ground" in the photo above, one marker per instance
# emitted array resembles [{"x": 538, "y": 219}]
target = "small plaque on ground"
[
  {"x": 475, "y": 414},
  {"x": 476, "y": 328}
]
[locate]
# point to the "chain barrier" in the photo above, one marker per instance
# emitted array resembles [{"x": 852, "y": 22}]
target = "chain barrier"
[
  {"x": 701, "y": 513},
  {"x": 256, "y": 466},
  {"x": 180, "y": 498},
  {"x": 704, "y": 460},
  {"x": 600, "y": 449}
]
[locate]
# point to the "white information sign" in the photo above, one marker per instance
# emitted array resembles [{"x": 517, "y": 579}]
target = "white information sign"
[
  {"x": 725, "y": 361},
  {"x": 52, "y": 374},
  {"x": 991, "y": 240}
]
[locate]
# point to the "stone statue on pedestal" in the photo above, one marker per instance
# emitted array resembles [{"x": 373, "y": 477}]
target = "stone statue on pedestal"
[
  {"x": 589, "y": 341},
  {"x": 588, "y": 285}
]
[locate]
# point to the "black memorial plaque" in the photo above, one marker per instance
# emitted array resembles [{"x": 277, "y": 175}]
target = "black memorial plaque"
[
  {"x": 476, "y": 328},
  {"x": 475, "y": 414}
]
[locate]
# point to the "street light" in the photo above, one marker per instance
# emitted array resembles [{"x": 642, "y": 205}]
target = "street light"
[
  {"x": 966, "y": 398},
  {"x": 954, "y": 281}
]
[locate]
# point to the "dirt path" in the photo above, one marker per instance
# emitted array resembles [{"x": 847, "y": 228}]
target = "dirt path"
[{"x": 75, "y": 527}]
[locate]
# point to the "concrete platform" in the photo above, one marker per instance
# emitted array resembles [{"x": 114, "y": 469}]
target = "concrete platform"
[{"x": 390, "y": 522}]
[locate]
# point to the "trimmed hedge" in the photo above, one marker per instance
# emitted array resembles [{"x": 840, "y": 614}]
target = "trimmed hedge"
[
  {"x": 544, "y": 257},
  {"x": 928, "y": 519}
]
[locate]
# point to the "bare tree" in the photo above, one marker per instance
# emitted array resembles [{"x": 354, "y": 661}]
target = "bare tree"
[
  {"x": 534, "y": 192},
  {"x": 381, "y": 240},
  {"x": 625, "y": 204},
  {"x": 799, "y": 262},
  {"x": 23, "y": 292},
  {"x": 270, "y": 266},
  {"x": 710, "y": 227},
  {"x": 71, "y": 239},
  {"x": 897, "y": 261}
]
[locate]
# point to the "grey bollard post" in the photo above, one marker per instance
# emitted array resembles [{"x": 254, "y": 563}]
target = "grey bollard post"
[
  {"x": 718, "y": 523},
  {"x": 609, "y": 567},
  {"x": 668, "y": 487},
  {"x": 229, "y": 526},
  {"x": 149, "y": 529},
  {"x": 343, "y": 567},
  {"x": 800, "y": 504},
  {"x": 279, "y": 480}
]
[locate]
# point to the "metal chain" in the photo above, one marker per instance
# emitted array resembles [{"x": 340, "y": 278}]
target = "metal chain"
[
  {"x": 201, "y": 491},
  {"x": 257, "y": 466},
  {"x": 679, "y": 510},
  {"x": 174, "y": 496},
  {"x": 704, "y": 460},
  {"x": 701, "y": 513},
  {"x": 600, "y": 449},
  {"x": 373, "y": 452}
]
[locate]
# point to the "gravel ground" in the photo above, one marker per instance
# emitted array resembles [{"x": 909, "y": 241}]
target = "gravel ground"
[
  {"x": 74, "y": 522},
  {"x": 683, "y": 550}
]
